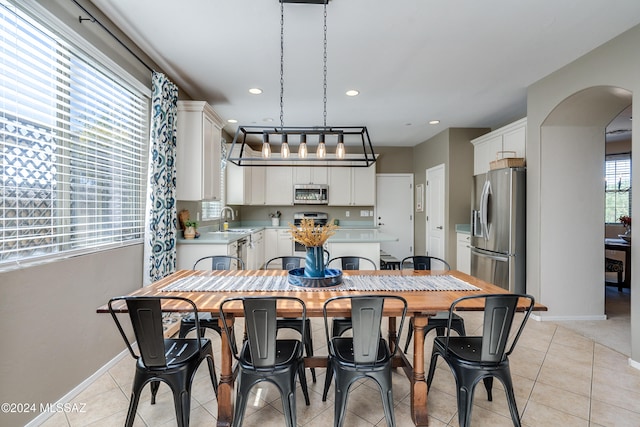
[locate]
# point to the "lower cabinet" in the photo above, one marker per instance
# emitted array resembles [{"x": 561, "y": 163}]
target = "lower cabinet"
[
  {"x": 277, "y": 242},
  {"x": 369, "y": 250},
  {"x": 188, "y": 254},
  {"x": 463, "y": 259}
]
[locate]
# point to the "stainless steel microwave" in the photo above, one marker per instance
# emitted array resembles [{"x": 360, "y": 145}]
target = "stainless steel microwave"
[{"x": 310, "y": 194}]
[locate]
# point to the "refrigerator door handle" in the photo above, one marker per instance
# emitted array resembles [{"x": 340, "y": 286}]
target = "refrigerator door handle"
[
  {"x": 492, "y": 255},
  {"x": 484, "y": 207}
]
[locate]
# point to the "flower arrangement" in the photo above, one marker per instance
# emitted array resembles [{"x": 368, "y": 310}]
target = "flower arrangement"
[
  {"x": 310, "y": 234},
  {"x": 625, "y": 220},
  {"x": 190, "y": 223},
  {"x": 275, "y": 214}
]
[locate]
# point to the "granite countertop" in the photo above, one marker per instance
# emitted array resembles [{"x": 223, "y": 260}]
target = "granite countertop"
[{"x": 360, "y": 236}]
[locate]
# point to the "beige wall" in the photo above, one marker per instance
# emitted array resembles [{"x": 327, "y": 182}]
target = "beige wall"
[
  {"x": 452, "y": 148},
  {"x": 551, "y": 157}
]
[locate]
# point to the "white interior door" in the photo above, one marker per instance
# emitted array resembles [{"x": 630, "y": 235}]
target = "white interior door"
[
  {"x": 434, "y": 209},
  {"x": 394, "y": 212}
]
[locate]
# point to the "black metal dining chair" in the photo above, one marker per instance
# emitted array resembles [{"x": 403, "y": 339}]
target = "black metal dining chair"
[
  {"x": 209, "y": 320},
  {"x": 289, "y": 263},
  {"x": 170, "y": 360},
  {"x": 263, "y": 357},
  {"x": 340, "y": 325},
  {"x": 439, "y": 320},
  {"x": 475, "y": 358},
  {"x": 365, "y": 355}
]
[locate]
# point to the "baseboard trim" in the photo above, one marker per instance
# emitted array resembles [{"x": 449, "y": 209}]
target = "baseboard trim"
[
  {"x": 77, "y": 390},
  {"x": 634, "y": 364},
  {"x": 541, "y": 318}
]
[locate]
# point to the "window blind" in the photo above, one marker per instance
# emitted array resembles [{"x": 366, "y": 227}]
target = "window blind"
[
  {"x": 73, "y": 146},
  {"x": 617, "y": 187}
]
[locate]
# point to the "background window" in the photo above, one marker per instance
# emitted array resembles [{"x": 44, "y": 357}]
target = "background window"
[{"x": 617, "y": 187}]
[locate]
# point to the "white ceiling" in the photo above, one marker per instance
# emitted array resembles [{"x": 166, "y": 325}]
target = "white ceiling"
[{"x": 466, "y": 63}]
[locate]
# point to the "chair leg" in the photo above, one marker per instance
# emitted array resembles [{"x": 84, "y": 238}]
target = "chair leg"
[
  {"x": 409, "y": 335},
  {"x": 154, "y": 390},
  {"x": 133, "y": 406},
  {"x": 327, "y": 380},
  {"x": 488, "y": 384},
  {"x": 182, "y": 403},
  {"x": 464, "y": 406},
  {"x": 432, "y": 369},
  {"x": 289, "y": 408},
  {"x": 340, "y": 405},
  {"x": 511, "y": 399},
  {"x": 212, "y": 374},
  {"x": 240, "y": 403},
  {"x": 308, "y": 346},
  {"x": 303, "y": 383}
]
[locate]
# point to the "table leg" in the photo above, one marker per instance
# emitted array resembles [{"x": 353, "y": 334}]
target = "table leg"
[
  {"x": 419, "y": 383},
  {"x": 225, "y": 387}
]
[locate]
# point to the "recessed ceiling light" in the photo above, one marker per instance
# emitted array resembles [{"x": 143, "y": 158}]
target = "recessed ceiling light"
[
  {"x": 352, "y": 92},
  {"x": 232, "y": 121},
  {"x": 434, "y": 122},
  {"x": 255, "y": 90},
  {"x": 267, "y": 120}
]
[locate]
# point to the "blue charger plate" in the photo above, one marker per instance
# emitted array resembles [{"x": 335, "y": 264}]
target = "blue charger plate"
[{"x": 332, "y": 277}]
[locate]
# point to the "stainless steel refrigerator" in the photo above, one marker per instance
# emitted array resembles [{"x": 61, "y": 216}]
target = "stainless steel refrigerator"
[{"x": 498, "y": 228}]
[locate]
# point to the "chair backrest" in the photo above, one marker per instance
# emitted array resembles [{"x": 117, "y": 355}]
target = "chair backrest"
[
  {"x": 221, "y": 262},
  {"x": 366, "y": 317},
  {"x": 498, "y": 319},
  {"x": 145, "y": 313},
  {"x": 288, "y": 262},
  {"x": 260, "y": 321},
  {"x": 352, "y": 262},
  {"x": 423, "y": 262}
]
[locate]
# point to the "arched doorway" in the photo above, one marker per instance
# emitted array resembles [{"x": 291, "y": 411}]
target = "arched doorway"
[{"x": 572, "y": 156}]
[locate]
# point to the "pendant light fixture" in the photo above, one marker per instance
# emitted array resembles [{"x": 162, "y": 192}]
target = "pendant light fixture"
[{"x": 360, "y": 153}]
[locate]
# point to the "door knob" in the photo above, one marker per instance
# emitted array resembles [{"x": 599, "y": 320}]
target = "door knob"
[{"x": 439, "y": 227}]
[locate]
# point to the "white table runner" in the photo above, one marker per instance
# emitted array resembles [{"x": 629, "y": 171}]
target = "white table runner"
[{"x": 367, "y": 283}]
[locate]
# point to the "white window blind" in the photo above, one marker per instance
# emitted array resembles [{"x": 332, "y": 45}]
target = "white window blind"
[
  {"x": 73, "y": 146},
  {"x": 617, "y": 187},
  {"x": 211, "y": 210}
]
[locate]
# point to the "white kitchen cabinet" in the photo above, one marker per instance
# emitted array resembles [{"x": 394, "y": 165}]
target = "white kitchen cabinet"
[
  {"x": 512, "y": 137},
  {"x": 245, "y": 184},
  {"x": 463, "y": 258},
  {"x": 311, "y": 175},
  {"x": 199, "y": 134},
  {"x": 277, "y": 242},
  {"x": 188, "y": 254},
  {"x": 279, "y": 185},
  {"x": 355, "y": 186}
]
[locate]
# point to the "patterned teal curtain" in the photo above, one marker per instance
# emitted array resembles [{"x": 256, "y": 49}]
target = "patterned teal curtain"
[{"x": 161, "y": 216}]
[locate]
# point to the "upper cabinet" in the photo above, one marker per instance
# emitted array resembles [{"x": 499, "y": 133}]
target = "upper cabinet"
[
  {"x": 311, "y": 175},
  {"x": 198, "y": 152},
  {"x": 355, "y": 186},
  {"x": 245, "y": 184},
  {"x": 512, "y": 137}
]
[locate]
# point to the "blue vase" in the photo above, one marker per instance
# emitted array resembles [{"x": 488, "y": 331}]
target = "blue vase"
[{"x": 314, "y": 262}]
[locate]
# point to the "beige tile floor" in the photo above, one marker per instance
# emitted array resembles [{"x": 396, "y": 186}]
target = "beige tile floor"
[{"x": 562, "y": 378}]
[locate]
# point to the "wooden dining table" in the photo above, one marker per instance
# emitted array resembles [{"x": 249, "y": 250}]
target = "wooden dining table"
[{"x": 421, "y": 305}]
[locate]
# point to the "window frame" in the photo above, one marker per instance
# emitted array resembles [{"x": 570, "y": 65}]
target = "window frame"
[
  {"x": 615, "y": 157},
  {"x": 96, "y": 62}
]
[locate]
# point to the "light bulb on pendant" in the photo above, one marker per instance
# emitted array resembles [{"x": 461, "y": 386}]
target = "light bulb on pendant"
[
  {"x": 266, "y": 148},
  {"x": 302, "y": 149},
  {"x": 321, "y": 152},
  {"x": 340, "y": 151},
  {"x": 284, "y": 149}
]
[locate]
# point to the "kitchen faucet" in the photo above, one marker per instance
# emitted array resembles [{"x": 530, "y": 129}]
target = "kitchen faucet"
[{"x": 223, "y": 216}]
